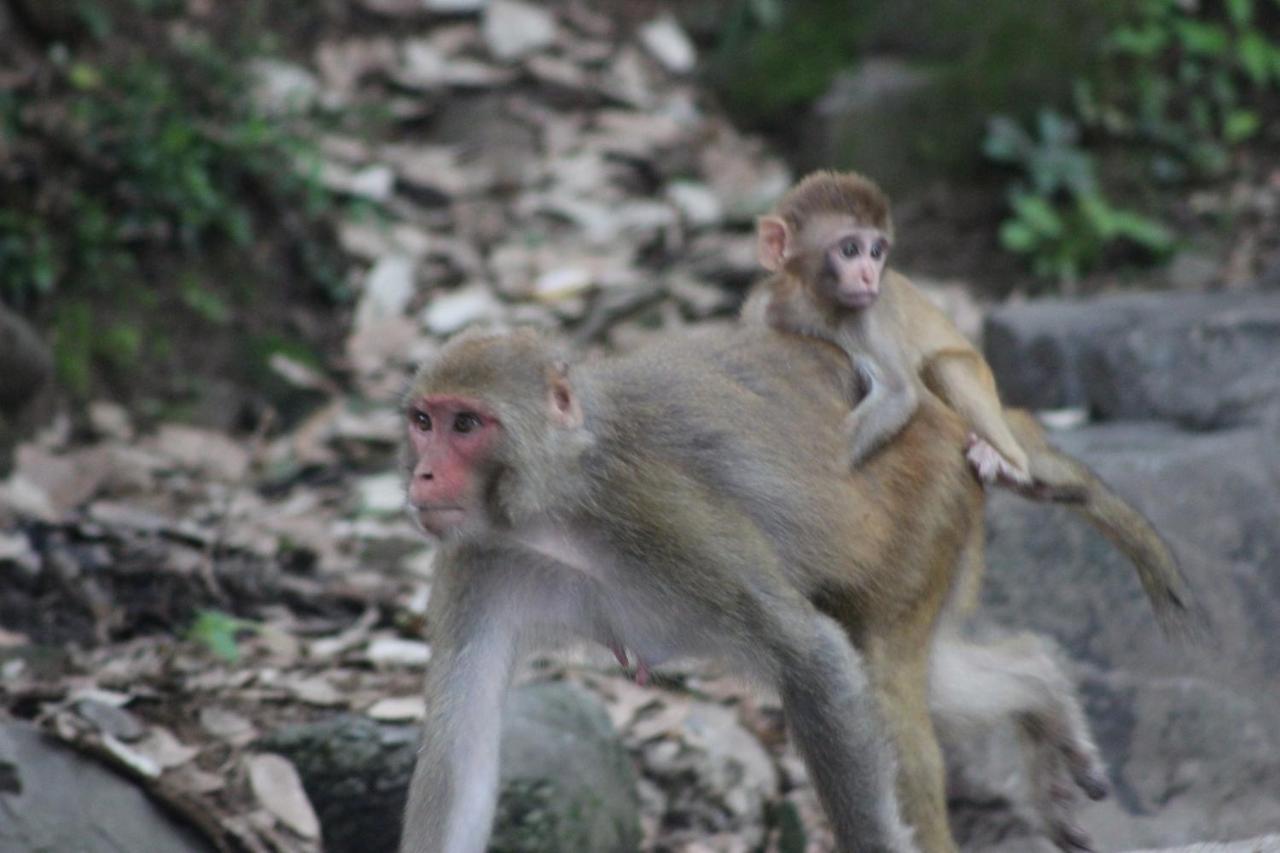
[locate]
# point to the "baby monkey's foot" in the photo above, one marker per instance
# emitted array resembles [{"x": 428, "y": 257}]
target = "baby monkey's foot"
[{"x": 991, "y": 467}]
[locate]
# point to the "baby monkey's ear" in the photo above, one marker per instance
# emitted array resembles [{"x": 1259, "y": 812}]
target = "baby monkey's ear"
[{"x": 773, "y": 239}]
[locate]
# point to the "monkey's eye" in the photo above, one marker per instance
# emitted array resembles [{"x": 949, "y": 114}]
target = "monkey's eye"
[
  {"x": 849, "y": 248},
  {"x": 421, "y": 420},
  {"x": 465, "y": 422},
  {"x": 878, "y": 250}
]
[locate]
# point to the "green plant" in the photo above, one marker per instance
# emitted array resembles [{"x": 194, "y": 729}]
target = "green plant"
[
  {"x": 1192, "y": 80},
  {"x": 773, "y": 58},
  {"x": 1061, "y": 220},
  {"x": 218, "y": 632},
  {"x": 132, "y": 162}
]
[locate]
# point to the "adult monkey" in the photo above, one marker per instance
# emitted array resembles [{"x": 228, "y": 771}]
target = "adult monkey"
[
  {"x": 685, "y": 503},
  {"x": 673, "y": 524}
]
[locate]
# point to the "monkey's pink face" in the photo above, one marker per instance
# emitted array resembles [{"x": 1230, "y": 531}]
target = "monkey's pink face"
[
  {"x": 854, "y": 259},
  {"x": 450, "y": 438}
]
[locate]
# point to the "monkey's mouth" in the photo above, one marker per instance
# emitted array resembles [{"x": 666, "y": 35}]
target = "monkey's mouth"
[
  {"x": 439, "y": 520},
  {"x": 857, "y": 298}
]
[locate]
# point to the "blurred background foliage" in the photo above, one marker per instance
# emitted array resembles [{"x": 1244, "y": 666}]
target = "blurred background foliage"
[
  {"x": 133, "y": 155},
  {"x": 132, "y": 152},
  {"x": 1096, "y": 112}
]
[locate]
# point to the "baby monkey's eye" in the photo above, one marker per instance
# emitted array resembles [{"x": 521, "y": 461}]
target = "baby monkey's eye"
[
  {"x": 421, "y": 420},
  {"x": 465, "y": 422},
  {"x": 878, "y": 250},
  {"x": 849, "y": 248}
]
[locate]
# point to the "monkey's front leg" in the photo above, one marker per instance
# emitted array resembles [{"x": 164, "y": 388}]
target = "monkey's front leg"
[
  {"x": 890, "y": 402},
  {"x": 964, "y": 382},
  {"x": 453, "y": 792},
  {"x": 489, "y": 600}
]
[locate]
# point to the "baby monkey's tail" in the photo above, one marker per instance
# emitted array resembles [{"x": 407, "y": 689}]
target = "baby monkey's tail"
[{"x": 1059, "y": 478}]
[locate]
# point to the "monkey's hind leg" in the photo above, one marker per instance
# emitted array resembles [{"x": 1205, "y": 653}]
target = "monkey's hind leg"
[
  {"x": 900, "y": 667},
  {"x": 976, "y": 685}
]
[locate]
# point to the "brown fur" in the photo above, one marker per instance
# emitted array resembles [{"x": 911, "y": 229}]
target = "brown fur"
[{"x": 836, "y": 192}]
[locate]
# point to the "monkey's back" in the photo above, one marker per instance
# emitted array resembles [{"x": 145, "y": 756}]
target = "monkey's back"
[{"x": 750, "y": 412}]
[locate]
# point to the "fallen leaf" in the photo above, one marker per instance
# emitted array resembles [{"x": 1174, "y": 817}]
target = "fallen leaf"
[
  {"x": 164, "y": 749},
  {"x": 398, "y": 709},
  {"x": 135, "y": 760},
  {"x": 394, "y": 651},
  {"x": 276, "y": 784}
]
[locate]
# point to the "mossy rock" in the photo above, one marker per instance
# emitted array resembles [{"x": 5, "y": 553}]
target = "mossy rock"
[{"x": 567, "y": 784}]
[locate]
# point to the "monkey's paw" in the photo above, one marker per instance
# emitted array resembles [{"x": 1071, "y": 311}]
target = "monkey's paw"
[{"x": 991, "y": 467}]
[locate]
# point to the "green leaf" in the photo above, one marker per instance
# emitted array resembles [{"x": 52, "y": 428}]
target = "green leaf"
[
  {"x": 1151, "y": 235},
  {"x": 1038, "y": 214},
  {"x": 84, "y": 76},
  {"x": 1141, "y": 42},
  {"x": 1240, "y": 11},
  {"x": 217, "y": 631},
  {"x": 1017, "y": 237},
  {"x": 1006, "y": 141},
  {"x": 1240, "y": 125},
  {"x": 767, "y": 12},
  {"x": 1255, "y": 55},
  {"x": 96, "y": 19},
  {"x": 1202, "y": 38},
  {"x": 208, "y": 304}
]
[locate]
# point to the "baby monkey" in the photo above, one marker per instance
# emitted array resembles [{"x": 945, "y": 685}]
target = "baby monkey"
[{"x": 827, "y": 245}]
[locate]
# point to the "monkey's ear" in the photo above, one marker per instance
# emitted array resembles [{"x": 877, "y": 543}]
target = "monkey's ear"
[
  {"x": 772, "y": 236},
  {"x": 562, "y": 401}
]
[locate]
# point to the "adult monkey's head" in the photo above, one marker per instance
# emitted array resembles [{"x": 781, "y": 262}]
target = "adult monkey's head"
[{"x": 488, "y": 421}]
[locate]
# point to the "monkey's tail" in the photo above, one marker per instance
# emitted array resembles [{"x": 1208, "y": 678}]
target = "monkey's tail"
[{"x": 1059, "y": 478}]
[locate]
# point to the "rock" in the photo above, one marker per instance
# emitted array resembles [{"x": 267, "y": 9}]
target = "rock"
[
  {"x": 567, "y": 783},
  {"x": 1192, "y": 270},
  {"x": 54, "y": 799},
  {"x": 513, "y": 29},
  {"x": 356, "y": 775},
  {"x": 1190, "y": 734},
  {"x": 887, "y": 94},
  {"x": 25, "y": 362},
  {"x": 668, "y": 43},
  {"x": 455, "y": 7},
  {"x": 1261, "y": 844},
  {"x": 1205, "y": 361}
]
